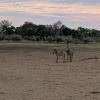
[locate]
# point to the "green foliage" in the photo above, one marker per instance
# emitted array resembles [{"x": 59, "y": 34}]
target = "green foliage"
[
  {"x": 55, "y": 38},
  {"x": 69, "y": 39},
  {"x": 87, "y": 40},
  {"x": 34, "y": 38},
  {"x": 2, "y": 37},
  {"x": 97, "y": 39},
  {"x": 38, "y": 38},
  {"x": 16, "y": 37},
  {"x": 27, "y": 38},
  {"x": 76, "y": 41},
  {"x": 52, "y": 33},
  {"x": 59, "y": 39},
  {"x": 7, "y": 37},
  {"x": 50, "y": 38}
]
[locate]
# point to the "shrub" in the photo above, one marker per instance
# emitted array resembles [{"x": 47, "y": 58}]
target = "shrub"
[
  {"x": 16, "y": 37},
  {"x": 55, "y": 38},
  {"x": 76, "y": 41},
  {"x": 59, "y": 39},
  {"x": 27, "y": 38},
  {"x": 87, "y": 40},
  {"x": 2, "y": 37},
  {"x": 50, "y": 38},
  {"x": 38, "y": 38},
  {"x": 44, "y": 38},
  {"x": 34, "y": 38},
  {"x": 97, "y": 39},
  {"x": 69, "y": 39},
  {"x": 7, "y": 37}
]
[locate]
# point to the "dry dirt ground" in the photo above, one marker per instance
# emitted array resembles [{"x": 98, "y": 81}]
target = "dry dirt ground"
[{"x": 32, "y": 74}]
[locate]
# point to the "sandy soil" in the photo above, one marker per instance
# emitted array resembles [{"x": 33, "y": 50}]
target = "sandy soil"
[{"x": 32, "y": 74}]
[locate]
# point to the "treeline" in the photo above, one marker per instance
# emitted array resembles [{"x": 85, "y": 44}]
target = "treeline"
[{"x": 52, "y": 33}]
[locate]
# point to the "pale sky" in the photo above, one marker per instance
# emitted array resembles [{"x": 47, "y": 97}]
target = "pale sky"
[{"x": 72, "y": 13}]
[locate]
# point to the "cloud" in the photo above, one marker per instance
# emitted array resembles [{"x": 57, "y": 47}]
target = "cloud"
[
  {"x": 86, "y": 2},
  {"x": 45, "y": 8},
  {"x": 54, "y": 1},
  {"x": 14, "y": 1},
  {"x": 46, "y": 11}
]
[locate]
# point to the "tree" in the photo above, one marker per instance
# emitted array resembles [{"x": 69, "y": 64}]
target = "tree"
[
  {"x": 57, "y": 27},
  {"x": 27, "y": 29},
  {"x": 5, "y": 26},
  {"x": 66, "y": 31},
  {"x": 42, "y": 31}
]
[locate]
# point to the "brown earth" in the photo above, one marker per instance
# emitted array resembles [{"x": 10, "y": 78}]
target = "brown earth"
[{"x": 32, "y": 74}]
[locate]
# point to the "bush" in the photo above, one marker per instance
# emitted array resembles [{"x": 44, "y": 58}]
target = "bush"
[
  {"x": 38, "y": 38},
  {"x": 87, "y": 40},
  {"x": 16, "y": 37},
  {"x": 76, "y": 41},
  {"x": 7, "y": 37},
  {"x": 50, "y": 38},
  {"x": 59, "y": 39},
  {"x": 44, "y": 38},
  {"x": 97, "y": 39},
  {"x": 27, "y": 38},
  {"x": 34, "y": 38},
  {"x": 69, "y": 39},
  {"x": 55, "y": 38},
  {"x": 2, "y": 37}
]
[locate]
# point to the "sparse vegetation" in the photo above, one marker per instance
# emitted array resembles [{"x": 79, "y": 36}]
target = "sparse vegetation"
[
  {"x": 51, "y": 33},
  {"x": 29, "y": 72}
]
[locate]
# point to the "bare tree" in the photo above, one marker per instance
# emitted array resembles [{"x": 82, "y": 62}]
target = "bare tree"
[{"x": 4, "y": 25}]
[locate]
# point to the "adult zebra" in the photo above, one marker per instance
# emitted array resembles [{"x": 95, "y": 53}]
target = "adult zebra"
[
  {"x": 65, "y": 53},
  {"x": 60, "y": 53}
]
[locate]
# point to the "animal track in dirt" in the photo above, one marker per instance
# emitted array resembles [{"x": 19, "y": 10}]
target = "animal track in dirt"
[
  {"x": 3, "y": 92},
  {"x": 95, "y": 92}
]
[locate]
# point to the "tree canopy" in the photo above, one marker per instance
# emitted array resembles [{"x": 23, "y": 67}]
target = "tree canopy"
[{"x": 56, "y": 32}]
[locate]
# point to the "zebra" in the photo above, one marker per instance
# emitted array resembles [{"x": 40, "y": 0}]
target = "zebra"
[
  {"x": 69, "y": 54},
  {"x": 60, "y": 53},
  {"x": 69, "y": 51},
  {"x": 65, "y": 53}
]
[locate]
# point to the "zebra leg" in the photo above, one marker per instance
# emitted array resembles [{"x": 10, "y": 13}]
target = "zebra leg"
[
  {"x": 70, "y": 58},
  {"x": 64, "y": 58},
  {"x": 57, "y": 59},
  {"x": 67, "y": 57}
]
